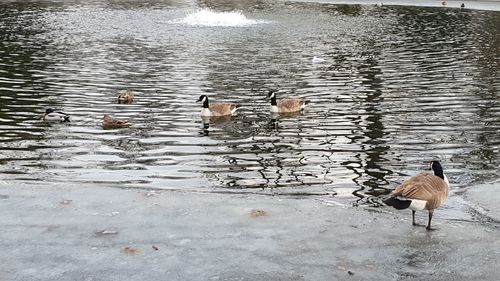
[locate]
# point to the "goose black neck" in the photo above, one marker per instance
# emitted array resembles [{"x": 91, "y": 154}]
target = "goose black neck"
[
  {"x": 205, "y": 103},
  {"x": 438, "y": 170},
  {"x": 273, "y": 100}
]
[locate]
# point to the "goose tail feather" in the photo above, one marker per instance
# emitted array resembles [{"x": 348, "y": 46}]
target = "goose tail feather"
[{"x": 398, "y": 203}]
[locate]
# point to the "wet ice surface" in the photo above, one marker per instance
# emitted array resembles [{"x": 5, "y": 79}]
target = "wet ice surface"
[
  {"x": 483, "y": 199},
  {"x": 94, "y": 233}
]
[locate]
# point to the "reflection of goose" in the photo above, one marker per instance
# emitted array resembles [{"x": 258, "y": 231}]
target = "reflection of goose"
[
  {"x": 126, "y": 97},
  {"x": 286, "y": 105},
  {"x": 421, "y": 192},
  {"x": 217, "y": 109},
  {"x": 111, "y": 123},
  {"x": 216, "y": 120},
  {"x": 51, "y": 115}
]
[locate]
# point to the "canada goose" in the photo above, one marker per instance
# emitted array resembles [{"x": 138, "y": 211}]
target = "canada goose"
[
  {"x": 217, "y": 109},
  {"x": 421, "y": 192},
  {"x": 51, "y": 115},
  {"x": 126, "y": 97},
  {"x": 111, "y": 123},
  {"x": 286, "y": 105},
  {"x": 462, "y": 5}
]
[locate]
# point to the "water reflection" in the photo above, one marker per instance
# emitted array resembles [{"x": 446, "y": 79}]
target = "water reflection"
[{"x": 398, "y": 86}]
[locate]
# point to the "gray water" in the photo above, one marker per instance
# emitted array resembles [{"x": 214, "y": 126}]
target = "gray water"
[{"x": 398, "y": 87}]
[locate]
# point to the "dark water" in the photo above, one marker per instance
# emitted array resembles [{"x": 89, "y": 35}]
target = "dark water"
[{"x": 398, "y": 87}]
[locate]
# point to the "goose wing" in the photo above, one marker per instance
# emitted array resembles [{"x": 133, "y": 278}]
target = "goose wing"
[
  {"x": 425, "y": 187},
  {"x": 290, "y": 105},
  {"x": 222, "y": 108}
]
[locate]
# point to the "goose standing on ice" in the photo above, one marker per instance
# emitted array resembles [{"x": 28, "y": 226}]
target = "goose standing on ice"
[
  {"x": 52, "y": 115},
  {"x": 286, "y": 105},
  {"x": 218, "y": 108},
  {"x": 421, "y": 192}
]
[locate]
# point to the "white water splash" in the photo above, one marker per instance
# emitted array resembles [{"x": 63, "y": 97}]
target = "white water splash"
[{"x": 207, "y": 17}]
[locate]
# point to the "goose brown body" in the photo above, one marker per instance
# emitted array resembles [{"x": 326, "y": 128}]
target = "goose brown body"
[
  {"x": 427, "y": 187},
  {"x": 126, "y": 97},
  {"x": 290, "y": 105},
  {"x": 112, "y": 123},
  {"x": 217, "y": 108},
  {"x": 286, "y": 105},
  {"x": 222, "y": 108},
  {"x": 421, "y": 192}
]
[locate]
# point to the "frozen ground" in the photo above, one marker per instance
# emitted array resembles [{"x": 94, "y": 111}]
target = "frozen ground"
[
  {"x": 484, "y": 199},
  {"x": 95, "y": 233}
]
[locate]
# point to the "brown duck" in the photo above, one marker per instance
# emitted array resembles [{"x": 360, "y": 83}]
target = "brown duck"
[
  {"x": 111, "y": 123},
  {"x": 126, "y": 97}
]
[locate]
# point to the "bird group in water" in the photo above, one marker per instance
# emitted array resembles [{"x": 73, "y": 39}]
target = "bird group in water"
[
  {"x": 127, "y": 97},
  {"x": 215, "y": 109},
  {"x": 421, "y": 192}
]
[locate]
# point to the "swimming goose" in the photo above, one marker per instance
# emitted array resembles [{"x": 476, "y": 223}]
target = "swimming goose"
[
  {"x": 111, "y": 123},
  {"x": 217, "y": 109},
  {"x": 421, "y": 192},
  {"x": 51, "y": 115},
  {"x": 126, "y": 97},
  {"x": 286, "y": 105}
]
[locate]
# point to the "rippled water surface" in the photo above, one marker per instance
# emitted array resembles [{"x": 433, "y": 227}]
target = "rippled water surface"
[{"x": 398, "y": 87}]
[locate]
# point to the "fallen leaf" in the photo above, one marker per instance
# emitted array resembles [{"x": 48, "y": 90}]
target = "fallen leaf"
[
  {"x": 129, "y": 250},
  {"x": 254, "y": 213}
]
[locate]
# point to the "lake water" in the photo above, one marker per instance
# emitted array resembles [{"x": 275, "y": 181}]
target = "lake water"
[{"x": 397, "y": 88}]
